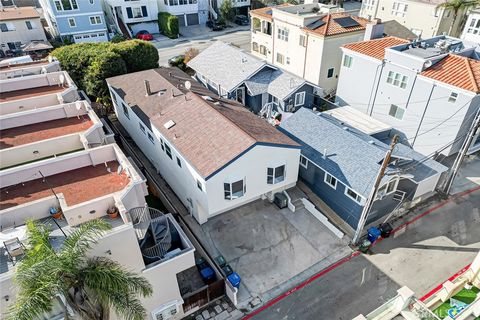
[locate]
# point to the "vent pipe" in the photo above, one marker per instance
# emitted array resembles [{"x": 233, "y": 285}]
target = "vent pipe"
[
  {"x": 148, "y": 91},
  {"x": 325, "y": 153}
]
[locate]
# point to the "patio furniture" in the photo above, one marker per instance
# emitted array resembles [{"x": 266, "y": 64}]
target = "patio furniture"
[{"x": 14, "y": 248}]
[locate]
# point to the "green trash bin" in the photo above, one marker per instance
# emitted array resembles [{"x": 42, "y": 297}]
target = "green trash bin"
[
  {"x": 365, "y": 246},
  {"x": 221, "y": 261}
]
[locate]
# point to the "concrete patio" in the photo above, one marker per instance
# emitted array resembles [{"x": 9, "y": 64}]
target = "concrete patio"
[{"x": 271, "y": 249}]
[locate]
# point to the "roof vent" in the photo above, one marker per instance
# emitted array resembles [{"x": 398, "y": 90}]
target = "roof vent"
[
  {"x": 371, "y": 142},
  {"x": 148, "y": 91},
  {"x": 345, "y": 128},
  {"x": 169, "y": 124}
]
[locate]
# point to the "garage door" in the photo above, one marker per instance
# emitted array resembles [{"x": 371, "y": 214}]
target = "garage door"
[
  {"x": 181, "y": 21},
  {"x": 192, "y": 19}
]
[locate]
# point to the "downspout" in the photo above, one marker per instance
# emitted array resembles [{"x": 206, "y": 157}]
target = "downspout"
[
  {"x": 305, "y": 57},
  {"x": 423, "y": 115},
  {"x": 376, "y": 90},
  {"x": 273, "y": 41}
]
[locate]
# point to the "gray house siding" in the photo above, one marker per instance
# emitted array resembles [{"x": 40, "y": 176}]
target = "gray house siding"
[
  {"x": 336, "y": 199},
  {"x": 289, "y": 102},
  {"x": 254, "y": 102}
]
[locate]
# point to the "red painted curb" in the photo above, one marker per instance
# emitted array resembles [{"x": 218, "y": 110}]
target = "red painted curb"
[
  {"x": 356, "y": 253},
  {"x": 301, "y": 285},
  {"x": 437, "y": 288}
]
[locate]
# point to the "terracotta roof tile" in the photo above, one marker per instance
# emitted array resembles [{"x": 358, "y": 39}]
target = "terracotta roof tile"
[
  {"x": 331, "y": 27},
  {"x": 457, "y": 71},
  {"x": 375, "y": 48},
  {"x": 263, "y": 12},
  {"x": 18, "y": 13}
]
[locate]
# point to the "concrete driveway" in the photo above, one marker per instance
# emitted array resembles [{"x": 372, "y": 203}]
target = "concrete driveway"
[{"x": 271, "y": 249}]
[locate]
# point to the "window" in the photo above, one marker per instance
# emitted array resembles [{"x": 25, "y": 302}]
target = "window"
[
  {"x": 299, "y": 98},
  {"x": 387, "y": 188},
  {"x": 275, "y": 175},
  {"x": 392, "y": 186},
  {"x": 168, "y": 151},
  {"x": 418, "y": 32},
  {"x": 280, "y": 58},
  {"x": 266, "y": 27},
  {"x": 330, "y": 72},
  {"x": 330, "y": 180},
  {"x": 30, "y": 25},
  {"x": 179, "y": 162},
  {"x": 199, "y": 185},
  {"x": 347, "y": 61},
  {"x": 453, "y": 97},
  {"x": 125, "y": 111},
  {"x": 142, "y": 127},
  {"x": 91, "y": 1},
  {"x": 66, "y": 5},
  {"x": 283, "y": 34},
  {"x": 288, "y": 60},
  {"x": 302, "y": 41},
  {"x": 368, "y": 4},
  {"x": 5, "y": 27},
  {"x": 397, "y": 79},
  {"x": 255, "y": 46},
  {"x": 303, "y": 162},
  {"x": 263, "y": 50},
  {"x": 399, "y": 9},
  {"x": 150, "y": 137},
  {"x": 72, "y": 23},
  {"x": 162, "y": 145},
  {"x": 396, "y": 112},
  {"x": 353, "y": 195},
  {"x": 234, "y": 190},
  {"x": 474, "y": 26},
  {"x": 95, "y": 20}
]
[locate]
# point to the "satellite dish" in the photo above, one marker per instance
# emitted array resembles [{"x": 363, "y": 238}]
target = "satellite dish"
[
  {"x": 44, "y": 70},
  {"x": 61, "y": 78},
  {"x": 119, "y": 169},
  {"x": 188, "y": 85}
]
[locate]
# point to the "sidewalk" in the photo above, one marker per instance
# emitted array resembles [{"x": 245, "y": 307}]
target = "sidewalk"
[{"x": 194, "y": 33}]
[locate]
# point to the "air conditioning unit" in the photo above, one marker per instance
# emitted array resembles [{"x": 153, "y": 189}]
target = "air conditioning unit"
[{"x": 166, "y": 312}]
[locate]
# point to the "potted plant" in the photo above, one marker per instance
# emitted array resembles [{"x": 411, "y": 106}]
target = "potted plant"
[
  {"x": 56, "y": 212},
  {"x": 112, "y": 212}
]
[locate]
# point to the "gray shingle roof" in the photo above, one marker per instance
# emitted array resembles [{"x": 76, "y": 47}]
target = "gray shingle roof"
[
  {"x": 352, "y": 157},
  {"x": 225, "y": 64},
  {"x": 229, "y": 66}
]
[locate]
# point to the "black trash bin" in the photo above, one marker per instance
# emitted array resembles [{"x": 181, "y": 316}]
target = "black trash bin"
[
  {"x": 280, "y": 200},
  {"x": 386, "y": 229}
]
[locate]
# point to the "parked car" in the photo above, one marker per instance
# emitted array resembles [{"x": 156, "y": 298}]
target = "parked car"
[
  {"x": 215, "y": 25},
  {"x": 241, "y": 20},
  {"x": 144, "y": 35}
]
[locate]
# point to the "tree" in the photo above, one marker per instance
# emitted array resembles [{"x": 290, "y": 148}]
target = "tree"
[
  {"x": 91, "y": 286},
  {"x": 456, "y": 6},
  {"x": 226, "y": 10},
  {"x": 137, "y": 54},
  {"x": 190, "y": 53}
]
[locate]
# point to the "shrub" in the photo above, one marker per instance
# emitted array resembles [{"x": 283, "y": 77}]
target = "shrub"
[
  {"x": 226, "y": 10},
  {"x": 89, "y": 64},
  {"x": 137, "y": 54},
  {"x": 190, "y": 54},
  {"x": 168, "y": 24},
  {"x": 118, "y": 38}
]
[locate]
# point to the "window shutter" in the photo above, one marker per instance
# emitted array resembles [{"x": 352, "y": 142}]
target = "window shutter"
[
  {"x": 144, "y": 11},
  {"x": 129, "y": 13}
]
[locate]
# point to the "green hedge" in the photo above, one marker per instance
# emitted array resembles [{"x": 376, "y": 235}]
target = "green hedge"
[
  {"x": 168, "y": 24},
  {"x": 89, "y": 64}
]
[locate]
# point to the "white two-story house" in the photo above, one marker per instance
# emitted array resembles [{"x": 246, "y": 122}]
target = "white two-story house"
[
  {"x": 471, "y": 31},
  {"x": 215, "y": 154},
  {"x": 427, "y": 91},
  {"x": 306, "y": 39},
  {"x": 129, "y": 17},
  {"x": 422, "y": 17}
]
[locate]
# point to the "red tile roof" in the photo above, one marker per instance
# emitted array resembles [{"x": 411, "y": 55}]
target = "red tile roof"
[
  {"x": 375, "y": 48},
  {"x": 457, "y": 71},
  {"x": 263, "y": 12},
  {"x": 331, "y": 27}
]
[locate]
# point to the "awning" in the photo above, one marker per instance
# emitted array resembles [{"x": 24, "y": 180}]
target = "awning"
[{"x": 37, "y": 45}]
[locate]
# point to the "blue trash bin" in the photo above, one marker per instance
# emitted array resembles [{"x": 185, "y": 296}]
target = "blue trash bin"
[
  {"x": 207, "y": 274},
  {"x": 234, "y": 279},
  {"x": 373, "y": 234}
]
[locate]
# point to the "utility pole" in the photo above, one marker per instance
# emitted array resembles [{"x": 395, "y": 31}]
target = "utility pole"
[
  {"x": 373, "y": 192},
  {"x": 461, "y": 155}
]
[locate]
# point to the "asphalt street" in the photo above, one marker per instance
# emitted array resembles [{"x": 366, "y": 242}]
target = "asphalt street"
[
  {"x": 429, "y": 251},
  {"x": 238, "y": 38}
]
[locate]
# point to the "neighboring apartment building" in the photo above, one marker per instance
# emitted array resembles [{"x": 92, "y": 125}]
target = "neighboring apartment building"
[
  {"x": 234, "y": 74},
  {"x": 305, "y": 39},
  {"x": 428, "y": 91},
  {"x": 132, "y": 16},
  {"x": 20, "y": 3},
  {"x": 8, "y": 71},
  {"x": 340, "y": 163},
  {"x": 76, "y": 21},
  {"x": 57, "y": 154},
  {"x": 471, "y": 31},
  {"x": 215, "y": 154},
  {"x": 422, "y": 17},
  {"x": 19, "y": 27}
]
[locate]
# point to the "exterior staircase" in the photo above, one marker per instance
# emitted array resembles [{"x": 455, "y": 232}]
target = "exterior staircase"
[
  {"x": 296, "y": 195},
  {"x": 123, "y": 28}
]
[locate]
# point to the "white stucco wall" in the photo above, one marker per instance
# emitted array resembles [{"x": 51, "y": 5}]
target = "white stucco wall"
[{"x": 470, "y": 32}]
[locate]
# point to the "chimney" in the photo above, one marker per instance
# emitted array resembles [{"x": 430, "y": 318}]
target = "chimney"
[
  {"x": 148, "y": 91},
  {"x": 374, "y": 30}
]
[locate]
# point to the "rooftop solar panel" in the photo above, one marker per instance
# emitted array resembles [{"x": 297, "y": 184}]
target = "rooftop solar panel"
[
  {"x": 346, "y": 22},
  {"x": 316, "y": 24}
]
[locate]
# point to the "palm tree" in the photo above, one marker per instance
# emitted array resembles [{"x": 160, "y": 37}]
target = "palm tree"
[
  {"x": 91, "y": 286},
  {"x": 456, "y": 6}
]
